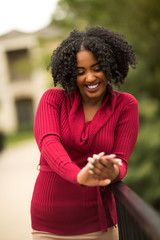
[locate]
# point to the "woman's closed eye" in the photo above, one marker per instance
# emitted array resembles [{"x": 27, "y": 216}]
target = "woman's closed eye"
[
  {"x": 80, "y": 73},
  {"x": 97, "y": 69}
]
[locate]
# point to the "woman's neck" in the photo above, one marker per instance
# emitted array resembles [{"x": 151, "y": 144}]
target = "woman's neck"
[
  {"x": 90, "y": 108},
  {"x": 92, "y": 102}
]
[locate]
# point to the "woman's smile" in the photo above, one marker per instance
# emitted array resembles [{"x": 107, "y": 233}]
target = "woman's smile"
[{"x": 92, "y": 87}]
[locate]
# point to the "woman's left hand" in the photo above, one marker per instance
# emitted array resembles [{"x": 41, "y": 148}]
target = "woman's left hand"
[{"x": 104, "y": 166}]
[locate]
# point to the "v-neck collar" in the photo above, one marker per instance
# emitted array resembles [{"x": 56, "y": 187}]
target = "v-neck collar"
[{"x": 77, "y": 119}]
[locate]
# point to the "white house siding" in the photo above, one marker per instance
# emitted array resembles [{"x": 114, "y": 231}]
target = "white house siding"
[{"x": 10, "y": 91}]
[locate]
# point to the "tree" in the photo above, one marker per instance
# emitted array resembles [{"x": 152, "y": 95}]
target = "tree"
[{"x": 139, "y": 21}]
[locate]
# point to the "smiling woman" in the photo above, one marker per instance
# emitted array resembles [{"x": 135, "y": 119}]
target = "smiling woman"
[{"x": 85, "y": 133}]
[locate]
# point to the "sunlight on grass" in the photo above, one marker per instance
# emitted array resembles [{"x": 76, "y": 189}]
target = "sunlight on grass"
[{"x": 19, "y": 137}]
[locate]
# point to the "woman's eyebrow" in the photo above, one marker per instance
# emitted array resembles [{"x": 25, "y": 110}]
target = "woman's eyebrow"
[
  {"x": 95, "y": 64},
  {"x": 80, "y": 67}
]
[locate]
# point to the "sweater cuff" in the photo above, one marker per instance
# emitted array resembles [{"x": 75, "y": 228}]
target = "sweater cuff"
[{"x": 122, "y": 173}]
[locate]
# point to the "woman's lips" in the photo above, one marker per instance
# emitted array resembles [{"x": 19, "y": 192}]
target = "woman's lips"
[{"x": 93, "y": 87}]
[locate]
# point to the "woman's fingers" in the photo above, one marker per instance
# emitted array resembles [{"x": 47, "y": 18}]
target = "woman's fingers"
[
  {"x": 84, "y": 178},
  {"x": 112, "y": 159},
  {"x": 101, "y": 166},
  {"x": 104, "y": 182},
  {"x": 98, "y": 170},
  {"x": 105, "y": 160}
]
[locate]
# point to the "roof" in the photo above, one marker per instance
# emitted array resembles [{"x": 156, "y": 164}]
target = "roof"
[
  {"x": 47, "y": 32},
  {"x": 12, "y": 34}
]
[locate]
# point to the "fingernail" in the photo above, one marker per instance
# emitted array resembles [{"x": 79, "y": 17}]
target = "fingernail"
[
  {"x": 91, "y": 160},
  {"x": 119, "y": 161},
  {"x": 90, "y": 171},
  {"x": 109, "y": 181},
  {"x": 96, "y": 156},
  {"x": 112, "y": 155},
  {"x": 90, "y": 166},
  {"x": 101, "y": 154}
]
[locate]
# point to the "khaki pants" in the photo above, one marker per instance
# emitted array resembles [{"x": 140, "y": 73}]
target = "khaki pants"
[{"x": 112, "y": 234}]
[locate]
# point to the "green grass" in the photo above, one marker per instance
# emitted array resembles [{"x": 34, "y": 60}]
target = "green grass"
[{"x": 18, "y": 137}]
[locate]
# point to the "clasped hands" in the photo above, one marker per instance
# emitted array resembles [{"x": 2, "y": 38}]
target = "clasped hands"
[{"x": 100, "y": 170}]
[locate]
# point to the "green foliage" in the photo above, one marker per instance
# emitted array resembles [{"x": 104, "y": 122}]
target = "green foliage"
[
  {"x": 139, "y": 21},
  {"x": 18, "y": 137},
  {"x": 79, "y": 13},
  {"x": 143, "y": 172}
]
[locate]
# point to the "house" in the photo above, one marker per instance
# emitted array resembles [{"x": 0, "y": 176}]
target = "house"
[{"x": 21, "y": 81}]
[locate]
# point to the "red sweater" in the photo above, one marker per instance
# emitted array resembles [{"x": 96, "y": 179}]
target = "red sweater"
[{"x": 59, "y": 204}]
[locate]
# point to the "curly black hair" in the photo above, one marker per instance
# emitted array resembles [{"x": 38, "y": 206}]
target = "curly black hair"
[{"x": 110, "y": 49}]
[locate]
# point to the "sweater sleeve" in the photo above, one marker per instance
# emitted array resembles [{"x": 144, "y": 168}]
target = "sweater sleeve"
[
  {"x": 48, "y": 137},
  {"x": 126, "y": 134}
]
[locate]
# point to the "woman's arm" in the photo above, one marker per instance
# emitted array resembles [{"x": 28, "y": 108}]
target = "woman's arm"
[
  {"x": 47, "y": 135},
  {"x": 126, "y": 134},
  {"x": 57, "y": 158}
]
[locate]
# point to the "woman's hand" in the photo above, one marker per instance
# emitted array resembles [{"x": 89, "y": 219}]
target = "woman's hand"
[
  {"x": 87, "y": 179},
  {"x": 99, "y": 171},
  {"x": 104, "y": 166}
]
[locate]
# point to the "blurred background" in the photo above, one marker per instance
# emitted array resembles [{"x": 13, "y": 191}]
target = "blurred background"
[{"x": 29, "y": 32}]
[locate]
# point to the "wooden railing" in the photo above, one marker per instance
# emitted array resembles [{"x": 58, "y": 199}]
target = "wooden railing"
[{"x": 136, "y": 219}]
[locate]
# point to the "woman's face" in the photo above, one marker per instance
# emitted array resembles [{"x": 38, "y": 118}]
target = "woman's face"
[{"x": 91, "y": 80}]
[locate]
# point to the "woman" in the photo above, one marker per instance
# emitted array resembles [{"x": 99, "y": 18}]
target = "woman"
[{"x": 85, "y": 134}]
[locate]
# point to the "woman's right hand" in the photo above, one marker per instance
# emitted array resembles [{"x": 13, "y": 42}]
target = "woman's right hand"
[
  {"x": 104, "y": 170},
  {"x": 87, "y": 179}
]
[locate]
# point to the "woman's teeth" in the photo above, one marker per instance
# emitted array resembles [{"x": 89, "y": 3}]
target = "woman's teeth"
[{"x": 92, "y": 86}]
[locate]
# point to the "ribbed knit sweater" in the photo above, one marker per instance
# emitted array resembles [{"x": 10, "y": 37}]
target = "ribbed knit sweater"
[{"x": 59, "y": 204}]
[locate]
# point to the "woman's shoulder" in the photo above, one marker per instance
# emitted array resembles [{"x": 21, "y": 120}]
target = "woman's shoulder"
[
  {"x": 54, "y": 91},
  {"x": 53, "y": 95},
  {"x": 125, "y": 98}
]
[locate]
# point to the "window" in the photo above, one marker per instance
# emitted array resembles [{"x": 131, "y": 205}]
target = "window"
[
  {"x": 19, "y": 64},
  {"x": 24, "y": 108}
]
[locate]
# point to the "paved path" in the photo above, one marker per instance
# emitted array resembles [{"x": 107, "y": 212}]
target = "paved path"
[{"x": 17, "y": 176}]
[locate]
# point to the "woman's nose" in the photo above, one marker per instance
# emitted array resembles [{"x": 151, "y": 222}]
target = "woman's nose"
[{"x": 90, "y": 77}]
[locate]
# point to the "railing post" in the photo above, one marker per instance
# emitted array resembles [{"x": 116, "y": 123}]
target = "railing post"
[{"x": 137, "y": 220}]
